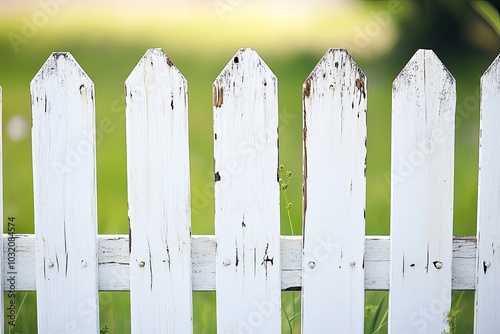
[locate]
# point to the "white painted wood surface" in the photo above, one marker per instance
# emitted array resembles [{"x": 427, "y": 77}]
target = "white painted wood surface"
[
  {"x": 64, "y": 185},
  {"x": 334, "y": 195},
  {"x": 114, "y": 263},
  {"x": 158, "y": 197},
  {"x": 247, "y": 217},
  {"x": 423, "y": 119},
  {"x": 487, "y": 308}
]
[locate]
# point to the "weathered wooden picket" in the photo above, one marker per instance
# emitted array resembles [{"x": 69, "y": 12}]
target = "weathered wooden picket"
[{"x": 247, "y": 262}]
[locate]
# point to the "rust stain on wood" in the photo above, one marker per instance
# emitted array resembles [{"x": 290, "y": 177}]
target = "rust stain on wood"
[
  {"x": 360, "y": 85},
  {"x": 218, "y": 98},
  {"x": 307, "y": 89}
]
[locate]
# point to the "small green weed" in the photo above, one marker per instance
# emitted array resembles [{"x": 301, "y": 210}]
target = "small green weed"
[
  {"x": 104, "y": 329},
  {"x": 284, "y": 179},
  {"x": 452, "y": 316}
]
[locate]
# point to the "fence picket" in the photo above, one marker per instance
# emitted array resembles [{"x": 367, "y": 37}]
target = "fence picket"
[
  {"x": 334, "y": 195},
  {"x": 64, "y": 185},
  {"x": 423, "y": 119},
  {"x": 158, "y": 196},
  {"x": 247, "y": 220},
  {"x": 488, "y": 241}
]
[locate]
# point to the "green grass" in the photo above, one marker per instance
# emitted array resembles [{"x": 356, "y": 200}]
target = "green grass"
[{"x": 108, "y": 65}]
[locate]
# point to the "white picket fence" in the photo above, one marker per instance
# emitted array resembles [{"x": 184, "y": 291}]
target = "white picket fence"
[{"x": 247, "y": 262}]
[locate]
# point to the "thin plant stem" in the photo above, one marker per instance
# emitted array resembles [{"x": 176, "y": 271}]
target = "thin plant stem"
[{"x": 284, "y": 181}]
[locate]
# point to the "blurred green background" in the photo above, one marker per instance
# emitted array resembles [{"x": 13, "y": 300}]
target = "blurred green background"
[{"x": 109, "y": 37}]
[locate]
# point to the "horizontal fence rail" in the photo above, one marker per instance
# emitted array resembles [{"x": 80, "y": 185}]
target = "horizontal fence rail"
[
  {"x": 247, "y": 262},
  {"x": 114, "y": 262}
]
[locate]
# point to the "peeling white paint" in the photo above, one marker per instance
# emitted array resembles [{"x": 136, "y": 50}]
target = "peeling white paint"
[
  {"x": 247, "y": 217},
  {"x": 158, "y": 196},
  {"x": 65, "y": 205},
  {"x": 423, "y": 100},
  {"x": 334, "y": 194},
  {"x": 488, "y": 237}
]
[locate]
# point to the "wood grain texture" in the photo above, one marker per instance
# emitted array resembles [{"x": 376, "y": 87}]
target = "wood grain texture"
[
  {"x": 247, "y": 217},
  {"x": 423, "y": 119},
  {"x": 158, "y": 196},
  {"x": 64, "y": 185},
  {"x": 334, "y": 98},
  {"x": 488, "y": 225}
]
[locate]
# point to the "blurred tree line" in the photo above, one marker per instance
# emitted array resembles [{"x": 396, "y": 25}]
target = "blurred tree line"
[{"x": 448, "y": 26}]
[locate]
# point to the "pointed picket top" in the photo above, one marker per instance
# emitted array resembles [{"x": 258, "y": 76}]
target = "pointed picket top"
[
  {"x": 332, "y": 64},
  {"x": 157, "y": 67},
  {"x": 59, "y": 69},
  {"x": 424, "y": 70},
  {"x": 488, "y": 241},
  {"x": 245, "y": 60},
  {"x": 491, "y": 77},
  {"x": 158, "y": 196},
  {"x": 335, "y": 99},
  {"x": 246, "y": 64},
  {"x": 422, "y": 167},
  {"x": 247, "y": 215},
  {"x": 64, "y": 186},
  {"x": 335, "y": 63}
]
